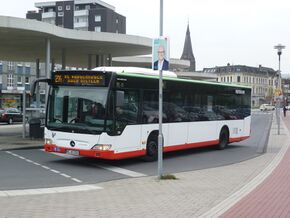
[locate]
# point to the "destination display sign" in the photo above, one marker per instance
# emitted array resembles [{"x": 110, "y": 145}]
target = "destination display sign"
[{"x": 78, "y": 78}]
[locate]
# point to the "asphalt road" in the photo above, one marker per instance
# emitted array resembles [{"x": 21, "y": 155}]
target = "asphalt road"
[{"x": 34, "y": 168}]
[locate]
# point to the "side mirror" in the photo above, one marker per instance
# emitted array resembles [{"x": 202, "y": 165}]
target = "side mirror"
[
  {"x": 120, "y": 98},
  {"x": 35, "y": 82}
]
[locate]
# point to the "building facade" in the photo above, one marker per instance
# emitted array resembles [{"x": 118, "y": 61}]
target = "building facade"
[
  {"x": 286, "y": 90},
  {"x": 15, "y": 79},
  {"x": 87, "y": 15},
  {"x": 261, "y": 79}
]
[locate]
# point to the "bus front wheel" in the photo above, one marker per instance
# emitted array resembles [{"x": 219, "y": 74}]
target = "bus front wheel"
[
  {"x": 223, "y": 139},
  {"x": 151, "y": 150}
]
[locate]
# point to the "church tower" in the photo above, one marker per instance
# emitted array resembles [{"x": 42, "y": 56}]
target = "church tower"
[{"x": 187, "y": 53}]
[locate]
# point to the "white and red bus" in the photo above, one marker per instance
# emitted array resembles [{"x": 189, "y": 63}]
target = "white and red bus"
[{"x": 112, "y": 113}]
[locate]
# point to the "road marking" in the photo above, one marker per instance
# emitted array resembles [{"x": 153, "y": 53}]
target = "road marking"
[
  {"x": 76, "y": 180},
  {"x": 119, "y": 170},
  {"x": 44, "y": 167},
  {"x": 40, "y": 191},
  {"x": 65, "y": 175}
]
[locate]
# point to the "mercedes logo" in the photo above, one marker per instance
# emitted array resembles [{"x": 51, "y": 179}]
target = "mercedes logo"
[{"x": 72, "y": 143}]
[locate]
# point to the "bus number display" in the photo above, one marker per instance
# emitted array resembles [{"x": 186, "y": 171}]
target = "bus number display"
[{"x": 79, "y": 79}]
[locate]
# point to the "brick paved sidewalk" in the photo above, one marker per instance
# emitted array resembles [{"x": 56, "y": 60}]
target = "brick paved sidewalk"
[{"x": 272, "y": 197}]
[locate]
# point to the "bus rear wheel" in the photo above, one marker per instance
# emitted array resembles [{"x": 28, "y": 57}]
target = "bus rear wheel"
[
  {"x": 151, "y": 150},
  {"x": 223, "y": 139}
]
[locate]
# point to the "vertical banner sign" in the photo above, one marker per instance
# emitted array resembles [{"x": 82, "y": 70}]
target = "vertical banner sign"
[{"x": 160, "y": 54}]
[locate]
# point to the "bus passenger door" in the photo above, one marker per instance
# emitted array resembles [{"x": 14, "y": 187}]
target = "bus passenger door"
[{"x": 127, "y": 118}]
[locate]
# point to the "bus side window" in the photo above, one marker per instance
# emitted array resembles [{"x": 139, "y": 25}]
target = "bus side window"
[{"x": 128, "y": 112}]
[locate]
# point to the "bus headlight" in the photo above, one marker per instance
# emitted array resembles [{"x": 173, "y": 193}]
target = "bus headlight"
[
  {"x": 47, "y": 141},
  {"x": 102, "y": 147}
]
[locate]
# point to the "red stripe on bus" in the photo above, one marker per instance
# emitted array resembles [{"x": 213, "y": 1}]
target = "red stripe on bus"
[
  {"x": 238, "y": 139},
  {"x": 190, "y": 145}
]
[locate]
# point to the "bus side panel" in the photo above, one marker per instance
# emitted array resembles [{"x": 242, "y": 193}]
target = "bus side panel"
[
  {"x": 177, "y": 133},
  {"x": 148, "y": 128},
  {"x": 247, "y": 126},
  {"x": 129, "y": 140},
  {"x": 236, "y": 128},
  {"x": 202, "y": 132}
]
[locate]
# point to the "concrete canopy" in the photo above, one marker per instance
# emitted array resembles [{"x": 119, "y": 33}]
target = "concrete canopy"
[{"x": 24, "y": 40}]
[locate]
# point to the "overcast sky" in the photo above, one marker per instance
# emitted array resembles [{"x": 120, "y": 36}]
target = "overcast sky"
[{"x": 222, "y": 31}]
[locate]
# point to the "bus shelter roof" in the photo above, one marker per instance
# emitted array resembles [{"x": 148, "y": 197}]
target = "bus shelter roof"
[{"x": 24, "y": 40}]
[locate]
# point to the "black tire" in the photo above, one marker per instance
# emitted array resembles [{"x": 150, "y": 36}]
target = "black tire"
[
  {"x": 223, "y": 139},
  {"x": 151, "y": 150},
  {"x": 10, "y": 121}
]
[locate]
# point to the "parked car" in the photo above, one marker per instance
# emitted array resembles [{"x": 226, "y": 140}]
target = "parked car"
[
  {"x": 10, "y": 115},
  {"x": 287, "y": 107},
  {"x": 267, "y": 107}
]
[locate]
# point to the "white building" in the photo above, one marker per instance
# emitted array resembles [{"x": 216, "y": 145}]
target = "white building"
[{"x": 261, "y": 79}]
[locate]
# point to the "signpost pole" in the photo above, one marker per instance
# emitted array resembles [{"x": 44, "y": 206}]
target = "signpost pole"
[
  {"x": 24, "y": 114},
  {"x": 160, "y": 135}
]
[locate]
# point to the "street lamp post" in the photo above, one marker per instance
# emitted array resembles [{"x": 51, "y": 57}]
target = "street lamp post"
[
  {"x": 279, "y": 48},
  {"x": 160, "y": 135}
]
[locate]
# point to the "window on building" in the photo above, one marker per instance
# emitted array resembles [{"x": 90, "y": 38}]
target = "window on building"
[
  {"x": 19, "y": 69},
  {"x": 1, "y": 68},
  {"x": 19, "y": 80},
  {"x": 77, "y": 8},
  {"x": 67, "y": 7},
  {"x": 87, "y": 7},
  {"x": 50, "y": 10},
  {"x": 98, "y": 18},
  {"x": 26, "y": 80},
  {"x": 59, "y": 8},
  {"x": 238, "y": 79},
  {"x": 60, "y": 14},
  {"x": 98, "y": 29},
  {"x": 117, "y": 20},
  {"x": 27, "y": 70},
  {"x": 0, "y": 79},
  {"x": 231, "y": 79},
  {"x": 10, "y": 80}
]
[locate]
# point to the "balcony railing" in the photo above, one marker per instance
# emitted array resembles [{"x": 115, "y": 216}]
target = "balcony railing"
[
  {"x": 81, "y": 25},
  {"x": 81, "y": 13},
  {"x": 48, "y": 15}
]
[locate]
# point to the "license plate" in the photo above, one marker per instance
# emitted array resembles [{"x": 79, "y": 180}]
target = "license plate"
[{"x": 72, "y": 152}]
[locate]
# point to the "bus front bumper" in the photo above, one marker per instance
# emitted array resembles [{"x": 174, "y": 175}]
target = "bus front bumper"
[
  {"x": 109, "y": 155},
  {"x": 79, "y": 152}
]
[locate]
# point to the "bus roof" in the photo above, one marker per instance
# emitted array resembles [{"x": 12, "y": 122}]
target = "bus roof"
[
  {"x": 136, "y": 70},
  {"x": 168, "y": 75}
]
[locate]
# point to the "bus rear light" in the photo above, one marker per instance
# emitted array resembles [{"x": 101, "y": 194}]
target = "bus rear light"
[{"x": 102, "y": 147}]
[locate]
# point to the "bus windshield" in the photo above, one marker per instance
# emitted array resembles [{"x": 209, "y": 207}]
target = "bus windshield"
[{"x": 77, "y": 109}]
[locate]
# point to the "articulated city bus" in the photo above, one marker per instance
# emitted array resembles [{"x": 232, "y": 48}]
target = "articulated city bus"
[{"x": 112, "y": 113}]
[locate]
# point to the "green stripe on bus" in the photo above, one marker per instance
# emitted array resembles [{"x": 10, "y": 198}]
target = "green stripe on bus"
[{"x": 181, "y": 80}]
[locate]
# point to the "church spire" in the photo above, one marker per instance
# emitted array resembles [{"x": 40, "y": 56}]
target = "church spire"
[{"x": 187, "y": 53}]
